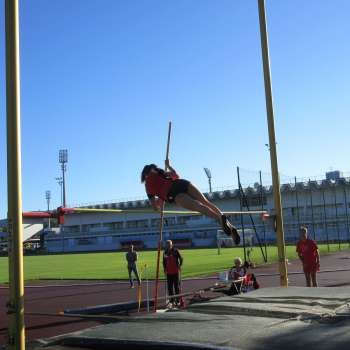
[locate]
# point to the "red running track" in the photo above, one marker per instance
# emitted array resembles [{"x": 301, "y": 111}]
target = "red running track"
[{"x": 51, "y": 297}]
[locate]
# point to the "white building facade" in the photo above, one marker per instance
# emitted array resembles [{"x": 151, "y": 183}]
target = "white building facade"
[{"x": 322, "y": 206}]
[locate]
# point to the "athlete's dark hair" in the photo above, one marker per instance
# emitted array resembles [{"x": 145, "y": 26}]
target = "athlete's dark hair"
[{"x": 148, "y": 168}]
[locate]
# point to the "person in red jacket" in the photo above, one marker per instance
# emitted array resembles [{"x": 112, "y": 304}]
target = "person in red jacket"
[
  {"x": 308, "y": 253},
  {"x": 167, "y": 186},
  {"x": 172, "y": 262}
]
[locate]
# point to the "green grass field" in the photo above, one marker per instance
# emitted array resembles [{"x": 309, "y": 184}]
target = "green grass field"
[{"x": 197, "y": 262}]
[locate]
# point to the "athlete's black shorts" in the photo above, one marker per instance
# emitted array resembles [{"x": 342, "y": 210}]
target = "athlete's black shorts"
[{"x": 178, "y": 186}]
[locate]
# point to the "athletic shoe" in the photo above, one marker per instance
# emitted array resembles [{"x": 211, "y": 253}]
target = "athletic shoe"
[
  {"x": 230, "y": 230},
  {"x": 225, "y": 226},
  {"x": 235, "y": 235}
]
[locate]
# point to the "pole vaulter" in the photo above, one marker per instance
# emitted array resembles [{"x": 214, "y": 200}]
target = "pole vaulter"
[{"x": 166, "y": 186}]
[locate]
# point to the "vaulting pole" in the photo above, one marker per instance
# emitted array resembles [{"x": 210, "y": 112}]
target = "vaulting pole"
[
  {"x": 272, "y": 143},
  {"x": 161, "y": 226},
  {"x": 15, "y": 305}
]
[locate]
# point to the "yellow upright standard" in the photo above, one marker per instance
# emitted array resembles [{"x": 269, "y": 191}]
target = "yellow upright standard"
[
  {"x": 273, "y": 150},
  {"x": 14, "y": 188}
]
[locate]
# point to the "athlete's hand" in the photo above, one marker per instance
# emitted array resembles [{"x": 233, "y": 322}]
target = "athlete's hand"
[
  {"x": 156, "y": 203},
  {"x": 159, "y": 203},
  {"x": 156, "y": 206}
]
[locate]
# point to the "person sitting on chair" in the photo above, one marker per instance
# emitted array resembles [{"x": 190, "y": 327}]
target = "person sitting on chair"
[{"x": 242, "y": 282}]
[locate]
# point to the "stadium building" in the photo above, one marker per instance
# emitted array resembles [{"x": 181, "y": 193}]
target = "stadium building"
[{"x": 323, "y": 206}]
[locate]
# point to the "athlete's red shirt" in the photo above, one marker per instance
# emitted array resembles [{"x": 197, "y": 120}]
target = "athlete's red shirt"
[
  {"x": 307, "y": 248},
  {"x": 158, "y": 185},
  {"x": 172, "y": 261}
]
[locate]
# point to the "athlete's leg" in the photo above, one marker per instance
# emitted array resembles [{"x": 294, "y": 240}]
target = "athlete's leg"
[
  {"x": 308, "y": 279},
  {"x": 130, "y": 277},
  {"x": 137, "y": 275},
  {"x": 170, "y": 282},
  {"x": 186, "y": 201},
  {"x": 314, "y": 279},
  {"x": 197, "y": 195},
  {"x": 177, "y": 287}
]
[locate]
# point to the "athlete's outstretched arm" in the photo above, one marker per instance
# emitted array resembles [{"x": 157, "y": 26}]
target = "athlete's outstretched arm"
[
  {"x": 156, "y": 203},
  {"x": 170, "y": 169}
]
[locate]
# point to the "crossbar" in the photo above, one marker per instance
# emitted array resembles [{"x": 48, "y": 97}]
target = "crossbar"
[{"x": 145, "y": 211}]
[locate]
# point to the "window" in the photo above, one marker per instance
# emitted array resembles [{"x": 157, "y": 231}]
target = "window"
[
  {"x": 254, "y": 200},
  {"x": 108, "y": 225},
  {"x": 131, "y": 224},
  {"x": 71, "y": 229},
  {"x": 94, "y": 227},
  {"x": 183, "y": 219},
  {"x": 75, "y": 228},
  {"x": 296, "y": 210},
  {"x": 169, "y": 221},
  {"x": 86, "y": 241},
  {"x": 155, "y": 222},
  {"x": 84, "y": 228},
  {"x": 118, "y": 225},
  {"x": 142, "y": 223}
]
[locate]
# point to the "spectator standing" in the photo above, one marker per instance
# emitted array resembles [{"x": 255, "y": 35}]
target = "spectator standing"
[
  {"x": 172, "y": 262},
  {"x": 308, "y": 254},
  {"x": 131, "y": 258}
]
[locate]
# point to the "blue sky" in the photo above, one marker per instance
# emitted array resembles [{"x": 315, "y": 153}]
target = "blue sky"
[{"x": 102, "y": 78}]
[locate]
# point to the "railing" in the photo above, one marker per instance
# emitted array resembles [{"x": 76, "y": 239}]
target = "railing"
[{"x": 135, "y": 231}]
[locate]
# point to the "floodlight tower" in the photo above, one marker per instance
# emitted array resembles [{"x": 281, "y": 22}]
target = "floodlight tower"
[
  {"x": 208, "y": 173},
  {"x": 63, "y": 159},
  {"x": 48, "y": 197},
  {"x": 60, "y": 182}
]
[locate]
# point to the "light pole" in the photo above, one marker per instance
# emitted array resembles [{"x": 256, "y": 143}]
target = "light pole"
[
  {"x": 60, "y": 182},
  {"x": 48, "y": 197},
  {"x": 63, "y": 159},
  {"x": 208, "y": 173}
]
